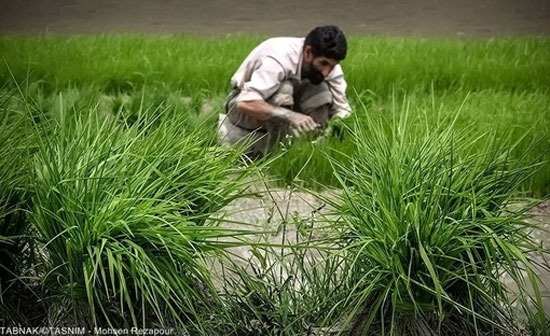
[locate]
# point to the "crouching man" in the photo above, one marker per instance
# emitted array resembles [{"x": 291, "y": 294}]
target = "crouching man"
[{"x": 286, "y": 86}]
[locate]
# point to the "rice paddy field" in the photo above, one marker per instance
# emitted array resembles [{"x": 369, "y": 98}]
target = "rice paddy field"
[{"x": 113, "y": 191}]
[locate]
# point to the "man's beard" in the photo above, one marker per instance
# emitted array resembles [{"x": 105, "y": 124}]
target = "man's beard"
[{"x": 314, "y": 76}]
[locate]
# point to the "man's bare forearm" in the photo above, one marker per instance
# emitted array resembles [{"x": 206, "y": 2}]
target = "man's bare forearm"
[{"x": 264, "y": 111}]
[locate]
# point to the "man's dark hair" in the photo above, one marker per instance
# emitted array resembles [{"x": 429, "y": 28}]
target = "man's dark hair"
[{"x": 327, "y": 41}]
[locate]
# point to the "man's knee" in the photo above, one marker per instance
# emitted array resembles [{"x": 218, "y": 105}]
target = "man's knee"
[
  {"x": 311, "y": 97},
  {"x": 284, "y": 95}
]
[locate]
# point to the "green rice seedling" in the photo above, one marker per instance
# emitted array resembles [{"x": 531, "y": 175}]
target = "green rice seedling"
[
  {"x": 376, "y": 63},
  {"x": 538, "y": 327},
  {"x": 126, "y": 62},
  {"x": 286, "y": 286},
  {"x": 308, "y": 156},
  {"x": 120, "y": 212},
  {"x": 16, "y": 252},
  {"x": 428, "y": 231},
  {"x": 263, "y": 301}
]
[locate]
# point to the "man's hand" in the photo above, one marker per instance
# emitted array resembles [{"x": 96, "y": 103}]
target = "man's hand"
[
  {"x": 301, "y": 123},
  {"x": 297, "y": 122}
]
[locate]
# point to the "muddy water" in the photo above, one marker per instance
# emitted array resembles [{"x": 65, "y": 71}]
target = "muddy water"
[{"x": 280, "y": 17}]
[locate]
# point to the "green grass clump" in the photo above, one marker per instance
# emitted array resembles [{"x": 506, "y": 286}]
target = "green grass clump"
[
  {"x": 283, "y": 291},
  {"x": 428, "y": 229},
  {"x": 16, "y": 253},
  {"x": 118, "y": 209}
]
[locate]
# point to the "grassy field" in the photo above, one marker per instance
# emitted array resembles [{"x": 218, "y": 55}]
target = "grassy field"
[
  {"x": 110, "y": 172},
  {"x": 499, "y": 85}
]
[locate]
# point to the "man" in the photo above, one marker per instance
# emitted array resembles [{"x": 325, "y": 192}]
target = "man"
[{"x": 286, "y": 86}]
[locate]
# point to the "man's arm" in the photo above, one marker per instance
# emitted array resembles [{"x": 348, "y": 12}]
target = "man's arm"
[
  {"x": 264, "y": 111},
  {"x": 340, "y": 106},
  {"x": 264, "y": 82}
]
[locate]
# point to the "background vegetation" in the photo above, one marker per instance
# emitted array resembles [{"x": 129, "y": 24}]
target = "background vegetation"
[
  {"x": 498, "y": 84},
  {"x": 110, "y": 173}
]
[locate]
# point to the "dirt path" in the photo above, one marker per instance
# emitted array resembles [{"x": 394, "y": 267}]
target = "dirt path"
[{"x": 283, "y": 17}]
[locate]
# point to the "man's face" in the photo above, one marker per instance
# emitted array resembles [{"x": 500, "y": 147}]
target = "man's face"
[{"x": 316, "y": 69}]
